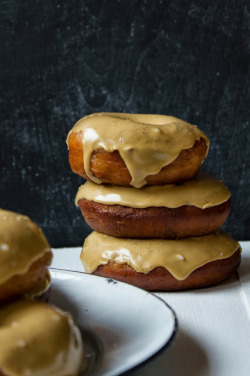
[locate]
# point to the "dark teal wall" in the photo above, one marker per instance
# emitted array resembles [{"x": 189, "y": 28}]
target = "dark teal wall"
[{"x": 61, "y": 60}]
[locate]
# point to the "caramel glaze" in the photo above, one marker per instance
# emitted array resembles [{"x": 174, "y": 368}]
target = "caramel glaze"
[
  {"x": 179, "y": 257},
  {"x": 37, "y": 339},
  {"x": 130, "y": 149},
  {"x": 202, "y": 192}
]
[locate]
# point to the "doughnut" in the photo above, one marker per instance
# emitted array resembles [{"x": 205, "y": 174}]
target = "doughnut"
[
  {"x": 24, "y": 256},
  {"x": 193, "y": 208},
  {"x": 162, "y": 264},
  {"x": 136, "y": 149},
  {"x": 39, "y": 339}
]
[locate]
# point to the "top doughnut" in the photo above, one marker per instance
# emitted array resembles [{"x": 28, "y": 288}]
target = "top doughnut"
[{"x": 136, "y": 149}]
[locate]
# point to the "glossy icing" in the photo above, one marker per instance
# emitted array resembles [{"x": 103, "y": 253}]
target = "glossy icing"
[
  {"x": 203, "y": 192},
  {"x": 180, "y": 257}
]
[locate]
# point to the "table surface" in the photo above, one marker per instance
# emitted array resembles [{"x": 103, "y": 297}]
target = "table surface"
[{"x": 214, "y": 325}]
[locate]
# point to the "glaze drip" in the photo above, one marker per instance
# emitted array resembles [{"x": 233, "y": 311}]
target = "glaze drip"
[
  {"x": 180, "y": 257},
  {"x": 203, "y": 192}
]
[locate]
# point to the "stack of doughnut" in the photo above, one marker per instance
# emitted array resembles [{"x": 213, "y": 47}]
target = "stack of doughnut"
[
  {"x": 36, "y": 338},
  {"x": 156, "y": 218}
]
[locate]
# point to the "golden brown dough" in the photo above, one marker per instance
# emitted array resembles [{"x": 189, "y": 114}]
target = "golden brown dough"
[
  {"x": 111, "y": 169},
  {"x": 160, "y": 279},
  {"x": 153, "y": 222}
]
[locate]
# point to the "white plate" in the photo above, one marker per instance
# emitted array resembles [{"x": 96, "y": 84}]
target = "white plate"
[{"x": 127, "y": 326}]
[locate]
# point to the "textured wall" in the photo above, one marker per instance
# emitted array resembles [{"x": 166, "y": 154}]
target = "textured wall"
[{"x": 62, "y": 60}]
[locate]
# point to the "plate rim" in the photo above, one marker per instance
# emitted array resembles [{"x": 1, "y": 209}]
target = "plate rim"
[{"x": 169, "y": 341}]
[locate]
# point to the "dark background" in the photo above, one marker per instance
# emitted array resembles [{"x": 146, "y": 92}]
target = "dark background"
[{"x": 62, "y": 60}]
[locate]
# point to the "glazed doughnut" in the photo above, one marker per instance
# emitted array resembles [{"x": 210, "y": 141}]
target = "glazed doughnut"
[
  {"x": 137, "y": 150},
  {"x": 24, "y": 256},
  {"x": 38, "y": 339},
  {"x": 193, "y": 208},
  {"x": 156, "y": 264}
]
